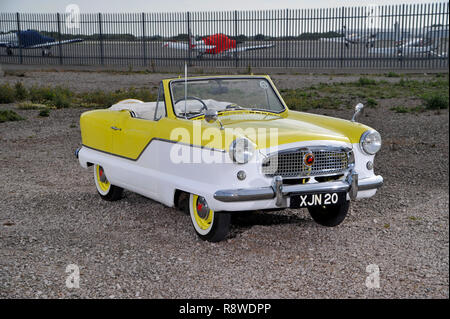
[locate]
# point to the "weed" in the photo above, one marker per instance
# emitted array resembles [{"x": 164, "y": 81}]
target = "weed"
[
  {"x": 20, "y": 91},
  {"x": 44, "y": 113},
  {"x": 9, "y": 115},
  {"x": 400, "y": 109},
  {"x": 371, "y": 102},
  {"x": 392, "y": 75},
  {"x": 435, "y": 101},
  {"x": 28, "y": 105},
  {"x": 7, "y": 94},
  {"x": 366, "y": 81}
]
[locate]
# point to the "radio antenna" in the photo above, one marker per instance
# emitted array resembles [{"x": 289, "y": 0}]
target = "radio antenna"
[{"x": 185, "y": 90}]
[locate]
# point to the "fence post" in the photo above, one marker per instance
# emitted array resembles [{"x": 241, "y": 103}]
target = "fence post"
[
  {"x": 286, "y": 35},
  {"x": 58, "y": 18},
  {"x": 342, "y": 28},
  {"x": 189, "y": 36},
  {"x": 236, "y": 38},
  {"x": 144, "y": 43},
  {"x": 18, "y": 37},
  {"x": 101, "y": 38}
]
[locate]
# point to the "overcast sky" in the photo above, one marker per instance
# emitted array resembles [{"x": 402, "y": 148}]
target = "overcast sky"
[{"x": 183, "y": 5}]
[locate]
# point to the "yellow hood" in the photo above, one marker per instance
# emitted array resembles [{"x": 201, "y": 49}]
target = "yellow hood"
[{"x": 291, "y": 126}]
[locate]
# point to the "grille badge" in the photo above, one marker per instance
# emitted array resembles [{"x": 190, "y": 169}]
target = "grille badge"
[{"x": 308, "y": 159}]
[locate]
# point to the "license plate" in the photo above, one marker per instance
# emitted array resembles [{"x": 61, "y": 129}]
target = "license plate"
[{"x": 322, "y": 199}]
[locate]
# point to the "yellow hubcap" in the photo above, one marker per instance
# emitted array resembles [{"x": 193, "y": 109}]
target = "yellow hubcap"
[
  {"x": 203, "y": 215},
  {"x": 103, "y": 183}
]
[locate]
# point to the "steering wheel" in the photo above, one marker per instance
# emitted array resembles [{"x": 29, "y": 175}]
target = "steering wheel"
[{"x": 193, "y": 98}]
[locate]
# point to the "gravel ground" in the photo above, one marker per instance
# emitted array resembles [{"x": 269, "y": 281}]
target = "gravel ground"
[
  {"x": 51, "y": 216},
  {"x": 110, "y": 81}
]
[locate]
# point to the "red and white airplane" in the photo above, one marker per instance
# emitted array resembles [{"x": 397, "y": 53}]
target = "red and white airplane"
[{"x": 214, "y": 44}]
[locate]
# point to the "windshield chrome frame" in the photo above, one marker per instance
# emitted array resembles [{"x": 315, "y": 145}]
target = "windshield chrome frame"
[{"x": 226, "y": 78}]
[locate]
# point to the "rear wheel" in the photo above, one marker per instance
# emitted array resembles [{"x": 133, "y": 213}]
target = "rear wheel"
[
  {"x": 208, "y": 225},
  {"x": 106, "y": 190},
  {"x": 329, "y": 216}
]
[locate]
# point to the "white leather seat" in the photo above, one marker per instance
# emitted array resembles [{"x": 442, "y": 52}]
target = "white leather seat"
[
  {"x": 143, "y": 110},
  {"x": 146, "y": 110}
]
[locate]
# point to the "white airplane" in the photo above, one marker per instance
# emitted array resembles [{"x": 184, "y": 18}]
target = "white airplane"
[
  {"x": 428, "y": 45},
  {"x": 30, "y": 39},
  {"x": 367, "y": 37},
  {"x": 214, "y": 44}
]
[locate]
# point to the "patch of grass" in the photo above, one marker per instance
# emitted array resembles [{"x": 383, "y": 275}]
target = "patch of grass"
[
  {"x": 28, "y": 105},
  {"x": 44, "y": 113},
  {"x": 392, "y": 75},
  {"x": 58, "y": 96},
  {"x": 9, "y": 115},
  {"x": 400, "y": 109},
  {"x": 21, "y": 92},
  {"x": 371, "y": 102},
  {"x": 105, "y": 99},
  {"x": 301, "y": 100},
  {"x": 366, "y": 81},
  {"x": 7, "y": 94},
  {"x": 435, "y": 101}
]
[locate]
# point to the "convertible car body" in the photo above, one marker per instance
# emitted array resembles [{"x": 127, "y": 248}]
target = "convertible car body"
[{"x": 217, "y": 145}]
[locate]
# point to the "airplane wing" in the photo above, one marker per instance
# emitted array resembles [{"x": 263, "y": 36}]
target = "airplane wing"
[
  {"x": 49, "y": 44},
  {"x": 203, "y": 47},
  {"x": 251, "y": 48},
  {"x": 185, "y": 46}
]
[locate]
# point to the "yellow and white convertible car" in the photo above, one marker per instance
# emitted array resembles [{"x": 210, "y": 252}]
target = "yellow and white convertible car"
[{"x": 221, "y": 144}]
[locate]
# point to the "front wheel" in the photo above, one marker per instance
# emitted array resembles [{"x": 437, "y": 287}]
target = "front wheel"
[
  {"x": 105, "y": 189},
  {"x": 208, "y": 225},
  {"x": 329, "y": 216}
]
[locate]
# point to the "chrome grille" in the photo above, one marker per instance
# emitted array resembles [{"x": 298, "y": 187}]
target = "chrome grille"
[{"x": 290, "y": 163}]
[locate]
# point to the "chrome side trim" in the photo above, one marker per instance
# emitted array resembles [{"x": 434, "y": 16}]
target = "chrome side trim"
[{"x": 242, "y": 195}]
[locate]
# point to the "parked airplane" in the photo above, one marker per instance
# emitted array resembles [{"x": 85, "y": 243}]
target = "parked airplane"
[
  {"x": 30, "y": 39},
  {"x": 426, "y": 44},
  {"x": 214, "y": 44},
  {"x": 367, "y": 37}
]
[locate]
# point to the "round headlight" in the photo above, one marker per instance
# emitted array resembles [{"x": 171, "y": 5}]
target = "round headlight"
[
  {"x": 370, "y": 142},
  {"x": 241, "y": 150}
]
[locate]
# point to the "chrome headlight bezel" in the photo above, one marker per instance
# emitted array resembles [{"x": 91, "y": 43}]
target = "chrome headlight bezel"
[
  {"x": 241, "y": 150},
  {"x": 370, "y": 142}
]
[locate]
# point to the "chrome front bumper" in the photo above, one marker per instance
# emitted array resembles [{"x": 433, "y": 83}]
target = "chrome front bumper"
[{"x": 279, "y": 191}]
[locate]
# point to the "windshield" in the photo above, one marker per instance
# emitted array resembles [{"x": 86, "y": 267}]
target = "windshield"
[{"x": 224, "y": 94}]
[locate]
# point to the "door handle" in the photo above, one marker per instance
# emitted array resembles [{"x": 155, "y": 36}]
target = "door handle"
[{"x": 116, "y": 128}]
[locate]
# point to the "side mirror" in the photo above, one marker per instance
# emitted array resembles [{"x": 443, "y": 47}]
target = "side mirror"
[
  {"x": 211, "y": 116},
  {"x": 358, "y": 110}
]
